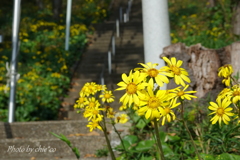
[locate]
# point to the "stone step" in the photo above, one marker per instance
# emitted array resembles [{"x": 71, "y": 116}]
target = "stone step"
[
  {"x": 26, "y": 130},
  {"x": 50, "y": 148}
]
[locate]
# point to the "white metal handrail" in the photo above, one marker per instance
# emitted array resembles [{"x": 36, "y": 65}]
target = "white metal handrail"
[{"x": 112, "y": 44}]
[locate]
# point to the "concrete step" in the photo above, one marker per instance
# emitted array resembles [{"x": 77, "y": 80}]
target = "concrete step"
[
  {"x": 26, "y": 130},
  {"x": 50, "y": 148}
]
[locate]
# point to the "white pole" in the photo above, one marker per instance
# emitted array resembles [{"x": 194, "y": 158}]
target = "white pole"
[
  {"x": 156, "y": 30},
  {"x": 68, "y": 20},
  {"x": 113, "y": 46},
  {"x": 117, "y": 27},
  {"x": 109, "y": 63},
  {"x": 13, "y": 69},
  {"x": 1, "y": 38},
  {"x": 125, "y": 17}
]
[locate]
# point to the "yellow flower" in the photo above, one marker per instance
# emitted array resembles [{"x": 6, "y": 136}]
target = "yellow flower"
[
  {"x": 133, "y": 84},
  {"x": 80, "y": 103},
  {"x": 221, "y": 111},
  {"x": 123, "y": 118},
  {"x": 107, "y": 96},
  {"x": 93, "y": 113},
  {"x": 110, "y": 112},
  {"x": 89, "y": 89},
  {"x": 93, "y": 125},
  {"x": 153, "y": 74},
  {"x": 151, "y": 103},
  {"x": 182, "y": 94},
  {"x": 235, "y": 94},
  {"x": 101, "y": 87},
  {"x": 179, "y": 74},
  {"x": 167, "y": 113},
  {"x": 92, "y": 103},
  {"x": 224, "y": 94},
  {"x": 225, "y": 71},
  {"x": 227, "y": 81},
  {"x": 122, "y": 107}
]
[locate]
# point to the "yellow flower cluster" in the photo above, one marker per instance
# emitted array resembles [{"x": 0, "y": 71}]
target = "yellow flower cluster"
[
  {"x": 228, "y": 100},
  {"x": 94, "y": 100},
  {"x": 143, "y": 89}
]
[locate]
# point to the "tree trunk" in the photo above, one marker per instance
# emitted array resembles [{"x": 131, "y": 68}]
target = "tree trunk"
[
  {"x": 211, "y": 3},
  {"x": 57, "y": 8},
  {"x": 202, "y": 65},
  {"x": 236, "y": 19},
  {"x": 40, "y": 4}
]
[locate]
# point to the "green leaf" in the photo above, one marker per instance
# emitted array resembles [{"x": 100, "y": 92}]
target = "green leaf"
[
  {"x": 226, "y": 156},
  {"x": 205, "y": 157},
  {"x": 173, "y": 138},
  {"x": 128, "y": 141},
  {"x": 145, "y": 145},
  {"x": 141, "y": 124},
  {"x": 168, "y": 152},
  {"x": 135, "y": 117},
  {"x": 76, "y": 151},
  {"x": 162, "y": 136}
]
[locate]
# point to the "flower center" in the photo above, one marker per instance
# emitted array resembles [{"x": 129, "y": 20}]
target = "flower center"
[
  {"x": 152, "y": 72},
  {"x": 107, "y": 95},
  {"x": 236, "y": 93},
  {"x": 180, "y": 93},
  {"x": 220, "y": 111},
  {"x": 176, "y": 70},
  {"x": 153, "y": 103},
  {"x": 95, "y": 112},
  {"x": 95, "y": 124},
  {"x": 81, "y": 100},
  {"x": 131, "y": 88},
  {"x": 91, "y": 104},
  {"x": 167, "y": 110}
]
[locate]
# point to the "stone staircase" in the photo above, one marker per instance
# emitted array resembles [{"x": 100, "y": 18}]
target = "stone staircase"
[{"x": 16, "y": 139}]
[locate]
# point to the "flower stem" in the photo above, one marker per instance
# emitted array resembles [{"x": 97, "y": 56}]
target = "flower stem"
[
  {"x": 189, "y": 133},
  {"x": 120, "y": 139},
  {"x": 104, "y": 128},
  {"x": 160, "y": 150}
]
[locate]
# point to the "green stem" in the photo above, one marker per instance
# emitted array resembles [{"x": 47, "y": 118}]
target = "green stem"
[
  {"x": 107, "y": 140},
  {"x": 189, "y": 133},
  {"x": 120, "y": 139},
  {"x": 160, "y": 150}
]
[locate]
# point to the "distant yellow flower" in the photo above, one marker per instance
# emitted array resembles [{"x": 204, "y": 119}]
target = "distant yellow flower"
[
  {"x": 154, "y": 75},
  {"x": 221, "y": 111},
  {"x": 182, "y": 94},
  {"x": 122, "y": 107},
  {"x": 93, "y": 113},
  {"x": 110, "y": 112},
  {"x": 133, "y": 84},
  {"x": 107, "y": 96},
  {"x": 93, "y": 125},
  {"x": 123, "y": 118},
  {"x": 89, "y": 89},
  {"x": 80, "y": 103},
  {"x": 179, "y": 74},
  {"x": 151, "y": 103},
  {"x": 92, "y": 102},
  {"x": 100, "y": 87}
]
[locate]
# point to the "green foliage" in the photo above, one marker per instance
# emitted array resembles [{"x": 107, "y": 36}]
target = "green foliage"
[
  {"x": 102, "y": 152},
  {"x": 66, "y": 140},
  {"x": 44, "y": 65},
  {"x": 196, "y": 22}
]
